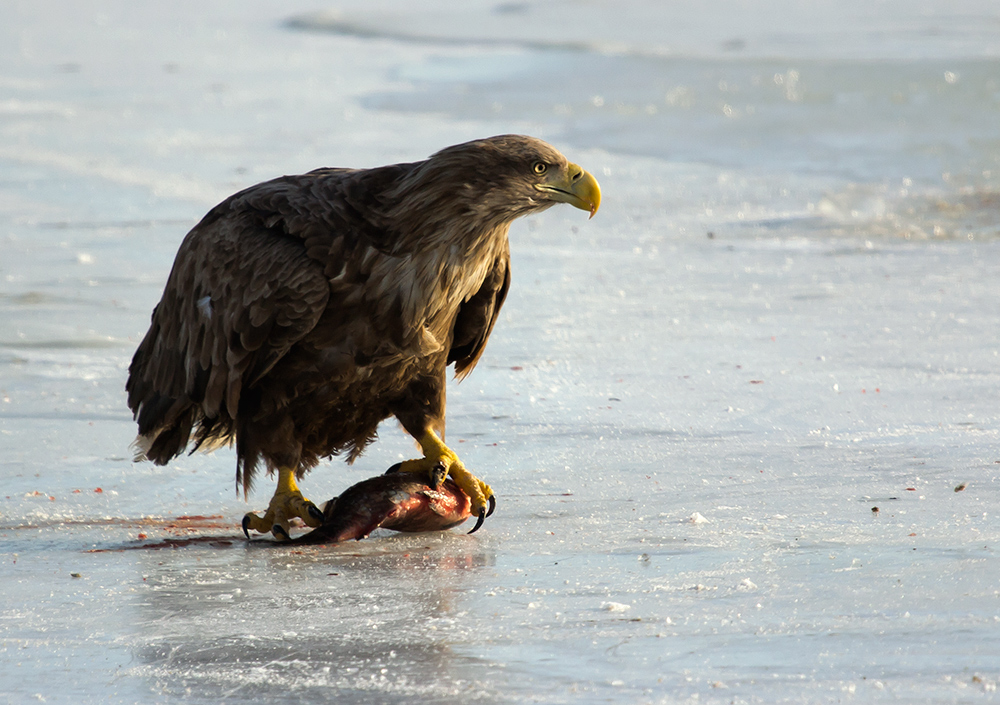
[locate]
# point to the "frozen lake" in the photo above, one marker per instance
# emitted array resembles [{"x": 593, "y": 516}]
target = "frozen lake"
[{"x": 784, "y": 317}]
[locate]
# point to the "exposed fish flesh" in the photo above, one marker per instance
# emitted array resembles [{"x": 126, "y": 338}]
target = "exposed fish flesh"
[{"x": 397, "y": 501}]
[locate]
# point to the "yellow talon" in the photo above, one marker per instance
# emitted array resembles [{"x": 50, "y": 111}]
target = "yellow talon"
[
  {"x": 437, "y": 453},
  {"x": 286, "y": 503}
]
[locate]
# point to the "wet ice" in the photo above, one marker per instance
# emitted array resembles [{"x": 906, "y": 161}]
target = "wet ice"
[{"x": 782, "y": 317}]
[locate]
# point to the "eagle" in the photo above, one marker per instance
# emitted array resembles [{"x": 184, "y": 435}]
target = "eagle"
[{"x": 302, "y": 312}]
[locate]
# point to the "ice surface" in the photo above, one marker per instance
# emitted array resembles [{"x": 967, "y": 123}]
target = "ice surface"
[{"x": 783, "y": 317}]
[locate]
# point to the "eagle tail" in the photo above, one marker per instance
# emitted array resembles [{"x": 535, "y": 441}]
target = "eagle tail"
[{"x": 166, "y": 440}]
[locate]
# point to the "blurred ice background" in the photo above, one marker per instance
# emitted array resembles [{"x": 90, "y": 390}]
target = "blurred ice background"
[{"x": 784, "y": 316}]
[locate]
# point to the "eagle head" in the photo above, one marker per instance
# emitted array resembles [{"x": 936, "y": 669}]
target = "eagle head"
[{"x": 501, "y": 178}]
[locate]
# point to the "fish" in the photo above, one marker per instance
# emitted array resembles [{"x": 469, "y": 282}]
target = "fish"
[{"x": 400, "y": 501}]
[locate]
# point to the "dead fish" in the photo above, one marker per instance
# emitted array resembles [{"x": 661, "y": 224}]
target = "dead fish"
[{"x": 397, "y": 501}]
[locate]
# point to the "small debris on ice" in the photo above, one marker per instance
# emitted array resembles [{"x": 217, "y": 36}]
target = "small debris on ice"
[
  {"x": 615, "y": 607},
  {"x": 747, "y": 584},
  {"x": 696, "y": 518}
]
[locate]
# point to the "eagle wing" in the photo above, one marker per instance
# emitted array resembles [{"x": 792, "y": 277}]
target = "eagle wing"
[
  {"x": 240, "y": 294},
  {"x": 477, "y": 316}
]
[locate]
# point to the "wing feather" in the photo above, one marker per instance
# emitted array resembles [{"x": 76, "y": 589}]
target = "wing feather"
[
  {"x": 238, "y": 297},
  {"x": 477, "y": 316}
]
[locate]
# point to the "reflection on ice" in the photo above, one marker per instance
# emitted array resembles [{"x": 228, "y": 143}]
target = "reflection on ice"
[{"x": 372, "y": 623}]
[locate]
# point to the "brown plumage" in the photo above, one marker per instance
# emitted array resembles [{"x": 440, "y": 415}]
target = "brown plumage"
[{"x": 303, "y": 311}]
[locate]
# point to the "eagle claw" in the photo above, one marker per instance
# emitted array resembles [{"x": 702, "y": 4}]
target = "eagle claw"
[
  {"x": 479, "y": 521},
  {"x": 438, "y": 464},
  {"x": 315, "y": 513},
  {"x": 279, "y": 533},
  {"x": 439, "y": 473},
  {"x": 484, "y": 512},
  {"x": 246, "y": 526}
]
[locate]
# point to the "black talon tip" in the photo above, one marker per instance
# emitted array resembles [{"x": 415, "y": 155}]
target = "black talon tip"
[
  {"x": 438, "y": 474},
  {"x": 479, "y": 521},
  {"x": 279, "y": 531},
  {"x": 493, "y": 505},
  {"x": 315, "y": 513},
  {"x": 393, "y": 468},
  {"x": 246, "y": 526}
]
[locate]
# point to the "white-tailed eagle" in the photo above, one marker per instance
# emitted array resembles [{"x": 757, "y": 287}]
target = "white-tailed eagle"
[{"x": 303, "y": 311}]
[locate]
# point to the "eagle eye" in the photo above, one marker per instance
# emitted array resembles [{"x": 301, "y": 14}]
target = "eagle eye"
[{"x": 540, "y": 168}]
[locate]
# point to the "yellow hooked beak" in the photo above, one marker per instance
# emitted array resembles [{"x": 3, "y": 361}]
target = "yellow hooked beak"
[{"x": 576, "y": 187}]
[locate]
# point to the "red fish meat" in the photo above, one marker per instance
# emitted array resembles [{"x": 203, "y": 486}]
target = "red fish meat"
[{"x": 397, "y": 501}]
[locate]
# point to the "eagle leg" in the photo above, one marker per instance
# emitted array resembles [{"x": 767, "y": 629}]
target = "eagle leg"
[
  {"x": 437, "y": 456},
  {"x": 286, "y": 503}
]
